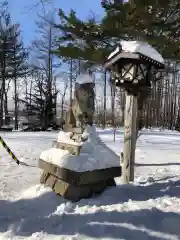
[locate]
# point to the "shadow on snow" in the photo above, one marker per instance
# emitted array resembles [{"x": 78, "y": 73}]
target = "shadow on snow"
[{"x": 27, "y": 216}]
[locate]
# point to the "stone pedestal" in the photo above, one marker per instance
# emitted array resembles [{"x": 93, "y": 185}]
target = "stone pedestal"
[{"x": 79, "y": 164}]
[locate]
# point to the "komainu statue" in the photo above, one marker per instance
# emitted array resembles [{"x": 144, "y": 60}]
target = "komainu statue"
[
  {"x": 79, "y": 165},
  {"x": 82, "y": 109}
]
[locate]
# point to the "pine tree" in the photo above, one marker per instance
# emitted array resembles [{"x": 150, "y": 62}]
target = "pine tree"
[
  {"x": 74, "y": 31},
  {"x": 12, "y": 57},
  {"x": 154, "y": 21},
  {"x": 18, "y": 64}
]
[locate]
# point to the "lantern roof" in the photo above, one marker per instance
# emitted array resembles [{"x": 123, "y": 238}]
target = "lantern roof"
[{"x": 138, "y": 47}]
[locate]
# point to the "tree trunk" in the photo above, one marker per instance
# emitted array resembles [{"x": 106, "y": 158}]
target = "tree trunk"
[
  {"x": 71, "y": 76},
  {"x": 3, "y": 88},
  {"x": 6, "y": 121},
  {"x": 104, "y": 110},
  {"x": 15, "y": 104}
]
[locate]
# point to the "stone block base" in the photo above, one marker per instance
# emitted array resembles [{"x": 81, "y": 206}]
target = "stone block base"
[
  {"x": 74, "y": 192},
  {"x": 80, "y": 178}
]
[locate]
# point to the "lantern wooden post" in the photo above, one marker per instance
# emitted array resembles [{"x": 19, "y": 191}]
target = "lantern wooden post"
[
  {"x": 130, "y": 134},
  {"x": 133, "y": 63}
]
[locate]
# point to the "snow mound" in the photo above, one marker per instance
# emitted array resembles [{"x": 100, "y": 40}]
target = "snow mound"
[
  {"x": 94, "y": 155},
  {"x": 143, "y": 210},
  {"x": 84, "y": 78},
  {"x": 138, "y": 47}
]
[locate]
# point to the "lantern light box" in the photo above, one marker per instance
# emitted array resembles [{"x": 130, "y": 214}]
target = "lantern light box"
[{"x": 134, "y": 63}]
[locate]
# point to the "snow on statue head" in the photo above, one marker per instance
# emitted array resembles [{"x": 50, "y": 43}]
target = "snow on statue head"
[{"x": 83, "y": 102}]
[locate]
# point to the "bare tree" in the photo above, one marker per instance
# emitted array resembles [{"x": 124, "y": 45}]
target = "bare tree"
[{"x": 46, "y": 62}]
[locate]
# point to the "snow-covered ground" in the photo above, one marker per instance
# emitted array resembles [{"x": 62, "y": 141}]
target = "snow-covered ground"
[{"x": 148, "y": 209}]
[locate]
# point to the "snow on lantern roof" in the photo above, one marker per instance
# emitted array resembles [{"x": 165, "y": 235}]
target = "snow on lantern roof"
[
  {"x": 138, "y": 47},
  {"x": 84, "y": 78}
]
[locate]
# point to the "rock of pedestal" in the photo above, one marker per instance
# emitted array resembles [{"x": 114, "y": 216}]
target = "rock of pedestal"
[{"x": 83, "y": 174}]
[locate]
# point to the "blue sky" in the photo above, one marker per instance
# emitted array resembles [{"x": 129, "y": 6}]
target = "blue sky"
[{"x": 22, "y": 13}]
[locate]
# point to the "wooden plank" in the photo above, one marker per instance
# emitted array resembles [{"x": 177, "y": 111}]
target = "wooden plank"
[
  {"x": 44, "y": 177},
  {"x": 73, "y": 149},
  {"x": 51, "y": 181},
  {"x": 75, "y": 193},
  {"x": 70, "y": 191},
  {"x": 130, "y": 134}
]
